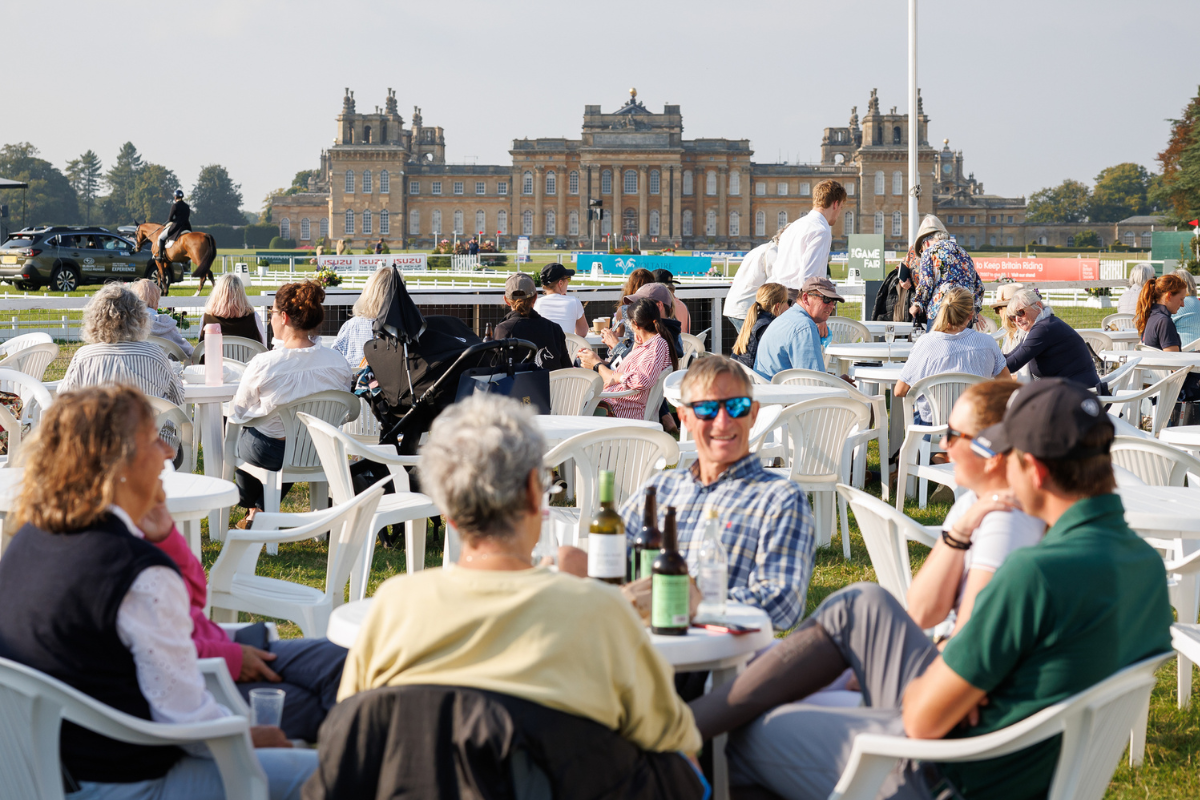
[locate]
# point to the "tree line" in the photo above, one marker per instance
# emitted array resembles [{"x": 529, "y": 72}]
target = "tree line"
[
  {"x": 130, "y": 190},
  {"x": 1128, "y": 189}
]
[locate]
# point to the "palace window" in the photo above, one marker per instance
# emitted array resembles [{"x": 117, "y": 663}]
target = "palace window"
[
  {"x": 735, "y": 224},
  {"x": 324, "y": 227},
  {"x": 655, "y": 181},
  {"x": 629, "y": 222},
  {"x": 502, "y": 187},
  {"x": 458, "y": 187},
  {"x": 781, "y": 220},
  {"x": 305, "y": 230},
  {"x": 435, "y": 187},
  {"x": 551, "y": 182},
  {"x": 527, "y": 223},
  {"x": 760, "y": 189},
  {"x": 879, "y": 179},
  {"x": 972, "y": 219},
  {"x": 285, "y": 228},
  {"x": 1147, "y": 238},
  {"x": 897, "y": 224},
  {"x": 573, "y": 183},
  {"x": 348, "y": 227},
  {"x": 992, "y": 219},
  {"x": 897, "y": 182},
  {"x": 1042, "y": 240},
  {"x": 878, "y": 222},
  {"x": 606, "y": 225},
  {"x": 502, "y": 222},
  {"x": 385, "y": 223},
  {"x": 735, "y": 183},
  {"x": 573, "y": 223},
  {"x": 971, "y": 241},
  {"x": 850, "y": 189},
  {"x": 606, "y": 181},
  {"x": 630, "y": 184},
  {"x": 848, "y": 224},
  {"x": 385, "y": 183},
  {"x": 527, "y": 183},
  {"x": 781, "y": 189},
  {"x": 687, "y": 223},
  {"x": 480, "y": 187},
  {"x": 991, "y": 241},
  {"x": 551, "y": 222},
  {"x": 480, "y": 222},
  {"x": 760, "y": 223},
  {"x": 368, "y": 226},
  {"x": 366, "y": 182},
  {"x": 1008, "y": 241},
  {"x": 366, "y": 134},
  {"x": 710, "y": 183},
  {"x": 414, "y": 222},
  {"x": 710, "y": 222},
  {"x": 349, "y": 181},
  {"x": 687, "y": 184},
  {"x": 654, "y": 223},
  {"x": 435, "y": 220},
  {"x": 1010, "y": 222},
  {"x": 960, "y": 219},
  {"x": 897, "y": 135},
  {"x": 414, "y": 187},
  {"x": 458, "y": 222},
  {"x": 806, "y": 189}
]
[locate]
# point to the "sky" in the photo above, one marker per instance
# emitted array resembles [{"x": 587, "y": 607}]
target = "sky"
[{"x": 1032, "y": 91}]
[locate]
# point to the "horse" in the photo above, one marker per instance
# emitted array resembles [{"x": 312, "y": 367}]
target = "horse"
[{"x": 199, "y": 248}]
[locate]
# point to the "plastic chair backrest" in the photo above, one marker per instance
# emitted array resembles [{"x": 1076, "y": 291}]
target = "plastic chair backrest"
[
  {"x": 574, "y": 342},
  {"x": 941, "y": 392},
  {"x": 233, "y": 348},
  {"x": 173, "y": 351},
  {"x": 655, "y": 397},
  {"x": 703, "y": 336},
  {"x": 1119, "y": 378},
  {"x": 1118, "y": 322},
  {"x": 10, "y": 346},
  {"x": 692, "y": 344},
  {"x": 848, "y": 331},
  {"x": 1098, "y": 340},
  {"x": 32, "y": 360},
  {"x": 35, "y": 397},
  {"x": 366, "y": 428},
  {"x": 335, "y": 407},
  {"x": 751, "y": 374},
  {"x": 1166, "y": 392},
  {"x": 334, "y": 457},
  {"x": 886, "y": 533},
  {"x": 574, "y": 392},
  {"x": 165, "y": 411},
  {"x": 809, "y": 377},
  {"x": 817, "y": 433},
  {"x": 1156, "y": 463}
]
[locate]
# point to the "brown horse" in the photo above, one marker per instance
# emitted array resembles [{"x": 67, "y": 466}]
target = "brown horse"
[{"x": 199, "y": 248}]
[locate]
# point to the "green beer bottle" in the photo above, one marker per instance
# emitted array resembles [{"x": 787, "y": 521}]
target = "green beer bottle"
[{"x": 669, "y": 585}]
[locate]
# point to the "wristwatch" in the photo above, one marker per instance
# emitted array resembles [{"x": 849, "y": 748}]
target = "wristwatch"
[{"x": 596, "y": 367}]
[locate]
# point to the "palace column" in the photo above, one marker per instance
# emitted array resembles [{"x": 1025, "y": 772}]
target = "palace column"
[
  {"x": 584, "y": 187},
  {"x": 643, "y": 200},
  {"x": 665, "y": 175},
  {"x": 618, "y": 186},
  {"x": 539, "y": 223},
  {"x": 747, "y": 190},
  {"x": 699, "y": 191},
  {"x": 676, "y": 203},
  {"x": 722, "y": 202},
  {"x": 561, "y": 185}
]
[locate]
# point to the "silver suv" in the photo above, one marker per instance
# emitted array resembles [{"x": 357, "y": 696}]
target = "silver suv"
[{"x": 66, "y": 258}]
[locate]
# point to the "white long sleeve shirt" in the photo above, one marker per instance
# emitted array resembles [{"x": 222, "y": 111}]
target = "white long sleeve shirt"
[
  {"x": 804, "y": 250},
  {"x": 758, "y": 267}
]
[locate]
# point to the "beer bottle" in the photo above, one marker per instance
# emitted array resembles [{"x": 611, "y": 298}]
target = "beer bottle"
[
  {"x": 669, "y": 585},
  {"x": 648, "y": 542}
]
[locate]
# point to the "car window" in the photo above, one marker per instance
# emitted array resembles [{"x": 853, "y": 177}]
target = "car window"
[
  {"x": 111, "y": 243},
  {"x": 67, "y": 241},
  {"x": 18, "y": 242}
]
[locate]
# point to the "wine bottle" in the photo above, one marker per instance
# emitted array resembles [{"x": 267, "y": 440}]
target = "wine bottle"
[
  {"x": 713, "y": 564},
  {"x": 669, "y": 585},
  {"x": 606, "y": 537},
  {"x": 648, "y": 542}
]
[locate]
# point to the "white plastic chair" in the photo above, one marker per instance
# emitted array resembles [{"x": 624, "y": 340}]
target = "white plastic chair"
[
  {"x": 653, "y": 398},
  {"x": 818, "y": 434},
  {"x": 751, "y": 374},
  {"x": 631, "y": 453},
  {"x": 887, "y": 533},
  {"x": 10, "y": 346},
  {"x": 1095, "y": 724},
  {"x": 35, "y": 397},
  {"x": 165, "y": 411},
  {"x": 574, "y": 342},
  {"x": 174, "y": 352},
  {"x": 575, "y": 392},
  {"x": 233, "y": 348},
  {"x": 1098, "y": 341},
  {"x": 234, "y": 586},
  {"x": 413, "y": 509},
  {"x": 845, "y": 330},
  {"x": 1166, "y": 392},
  {"x": 1155, "y": 462},
  {"x": 693, "y": 346},
  {"x": 1120, "y": 377},
  {"x": 808, "y": 377},
  {"x": 365, "y": 427},
  {"x": 941, "y": 392},
  {"x": 1118, "y": 322},
  {"x": 300, "y": 459},
  {"x": 1191, "y": 347},
  {"x": 35, "y": 705},
  {"x": 32, "y": 359}
]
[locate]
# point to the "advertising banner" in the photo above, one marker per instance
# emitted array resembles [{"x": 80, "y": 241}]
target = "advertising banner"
[
  {"x": 405, "y": 261},
  {"x": 579, "y": 256},
  {"x": 623, "y": 265},
  {"x": 720, "y": 253},
  {"x": 1038, "y": 269},
  {"x": 523, "y": 250},
  {"x": 866, "y": 255}
]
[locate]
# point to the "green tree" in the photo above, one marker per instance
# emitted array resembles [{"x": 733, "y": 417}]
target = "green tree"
[
  {"x": 122, "y": 179},
  {"x": 49, "y": 200},
  {"x": 265, "y": 216},
  {"x": 1178, "y": 192},
  {"x": 215, "y": 198},
  {"x": 1120, "y": 192},
  {"x": 153, "y": 193},
  {"x": 1067, "y": 202},
  {"x": 1087, "y": 238},
  {"x": 84, "y": 173},
  {"x": 300, "y": 182}
]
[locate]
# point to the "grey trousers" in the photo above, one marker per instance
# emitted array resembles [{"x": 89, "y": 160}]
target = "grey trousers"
[
  {"x": 312, "y": 672},
  {"x": 799, "y": 750}
]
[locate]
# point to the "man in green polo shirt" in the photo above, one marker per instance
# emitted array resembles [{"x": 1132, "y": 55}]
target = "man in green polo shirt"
[{"x": 1056, "y": 618}]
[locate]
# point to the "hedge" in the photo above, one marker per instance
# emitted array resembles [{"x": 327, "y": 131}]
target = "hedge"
[
  {"x": 260, "y": 234},
  {"x": 279, "y": 243},
  {"x": 226, "y": 236}
]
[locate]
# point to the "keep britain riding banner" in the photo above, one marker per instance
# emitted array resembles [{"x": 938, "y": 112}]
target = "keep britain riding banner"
[{"x": 1038, "y": 269}]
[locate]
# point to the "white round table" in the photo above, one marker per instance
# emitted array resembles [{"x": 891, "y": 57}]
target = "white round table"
[
  {"x": 770, "y": 394},
  {"x": 1185, "y": 437},
  {"x": 867, "y": 351},
  {"x": 210, "y": 421},
  {"x": 1124, "y": 340},
  {"x": 559, "y": 428},
  {"x": 190, "y": 498},
  {"x": 1152, "y": 359},
  {"x": 876, "y": 327}
]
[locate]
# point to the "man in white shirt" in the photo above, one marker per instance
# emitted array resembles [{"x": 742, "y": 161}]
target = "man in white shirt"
[
  {"x": 558, "y": 306},
  {"x": 804, "y": 247},
  {"x": 757, "y": 268}
]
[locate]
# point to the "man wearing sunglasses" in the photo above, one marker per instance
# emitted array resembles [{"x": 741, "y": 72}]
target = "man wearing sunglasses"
[
  {"x": 794, "y": 339},
  {"x": 767, "y": 524}
]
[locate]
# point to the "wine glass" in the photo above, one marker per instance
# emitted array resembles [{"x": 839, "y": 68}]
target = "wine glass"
[{"x": 889, "y": 336}]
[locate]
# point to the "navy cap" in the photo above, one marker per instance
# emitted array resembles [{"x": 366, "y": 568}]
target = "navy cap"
[
  {"x": 553, "y": 273},
  {"x": 1048, "y": 419}
]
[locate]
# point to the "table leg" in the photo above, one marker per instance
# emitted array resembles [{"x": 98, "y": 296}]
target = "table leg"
[
  {"x": 213, "y": 440},
  {"x": 720, "y": 782}
]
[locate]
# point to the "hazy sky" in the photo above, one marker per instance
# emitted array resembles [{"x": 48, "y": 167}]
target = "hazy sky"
[{"x": 1033, "y": 91}]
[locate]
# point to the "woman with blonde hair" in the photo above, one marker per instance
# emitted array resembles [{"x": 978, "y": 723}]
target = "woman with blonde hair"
[
  {"x": 769, "y": 303},
  {"x": 952, "y": 346},
  {"x": 357, "y": 331},
  {"x": 636, "y": 280},
  {"x": 229, "y": 307}
]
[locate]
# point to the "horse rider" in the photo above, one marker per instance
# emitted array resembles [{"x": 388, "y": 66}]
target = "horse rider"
[{"x": 178, "y": 222}]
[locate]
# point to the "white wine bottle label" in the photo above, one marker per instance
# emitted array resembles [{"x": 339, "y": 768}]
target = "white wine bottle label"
[
  {"x": 669, "y": 601},
  {"x": 606, "y": 556}
]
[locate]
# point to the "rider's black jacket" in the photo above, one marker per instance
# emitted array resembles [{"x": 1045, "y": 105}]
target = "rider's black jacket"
[{"x": 181, "y": 215}]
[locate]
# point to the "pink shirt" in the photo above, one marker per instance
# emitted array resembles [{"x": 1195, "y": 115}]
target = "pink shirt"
[
  {"x": 210, "y": 640},
  {"x": 639, "y": 371}
]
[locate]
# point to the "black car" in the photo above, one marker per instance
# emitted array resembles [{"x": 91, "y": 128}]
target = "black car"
[{"x": 65, "y": 258}]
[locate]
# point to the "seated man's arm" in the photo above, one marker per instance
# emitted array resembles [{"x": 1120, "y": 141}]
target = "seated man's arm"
[
  {"x": 778, "y": 582},
  {"x": 937, "y": 701}
]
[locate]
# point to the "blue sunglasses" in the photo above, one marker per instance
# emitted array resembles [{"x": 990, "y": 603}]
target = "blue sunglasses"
[{"x": 707, "y": 410}]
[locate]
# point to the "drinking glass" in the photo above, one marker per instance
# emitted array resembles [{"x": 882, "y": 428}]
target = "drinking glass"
[
  {"x": 266, "y": 706},
  {"x": 889, "y": 336}
]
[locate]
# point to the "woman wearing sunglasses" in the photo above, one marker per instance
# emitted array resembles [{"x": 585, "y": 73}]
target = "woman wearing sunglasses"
[
  {"x": 653, "y": 352},
  {"x": 1051, "y": 347},
  {"x": 983, "y": 526}
]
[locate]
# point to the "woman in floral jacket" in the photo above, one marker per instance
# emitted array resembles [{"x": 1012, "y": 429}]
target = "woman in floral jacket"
[{"x": 943, "y": 265}]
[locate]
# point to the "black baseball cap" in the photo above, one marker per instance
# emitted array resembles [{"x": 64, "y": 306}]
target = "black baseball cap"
[
  {"x": 1048, "y": 419},
  {"x": 664, "y": 276},
  {"x": 552, "y": 273}
]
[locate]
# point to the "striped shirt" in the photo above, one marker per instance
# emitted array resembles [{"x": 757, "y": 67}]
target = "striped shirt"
[
  {"x": 354, "y": 333},
  {"x": 937, "y": 353},
  {"x": 639, "y": 370},
  {"x": 770, "y": 537},
  {"x": 140, "y": 364}
]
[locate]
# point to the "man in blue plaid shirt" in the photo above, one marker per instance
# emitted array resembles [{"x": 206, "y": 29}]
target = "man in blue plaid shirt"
[{"x": 769, "y": 536}]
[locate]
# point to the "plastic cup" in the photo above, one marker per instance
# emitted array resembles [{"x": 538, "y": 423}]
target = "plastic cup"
[{"x": 266, "y": 706}]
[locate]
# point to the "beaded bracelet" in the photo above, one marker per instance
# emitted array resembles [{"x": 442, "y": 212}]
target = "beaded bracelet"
[{"x": 955, "y": 543}]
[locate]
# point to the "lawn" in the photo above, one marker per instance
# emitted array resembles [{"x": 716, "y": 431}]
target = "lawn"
[{"x": 1172, "y": 741}]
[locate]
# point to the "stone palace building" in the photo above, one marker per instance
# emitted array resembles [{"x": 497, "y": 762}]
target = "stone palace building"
[{"x": 381, "y": 178}]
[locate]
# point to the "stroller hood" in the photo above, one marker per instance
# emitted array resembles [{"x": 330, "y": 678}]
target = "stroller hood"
[{"x": 399, "y": 319}]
